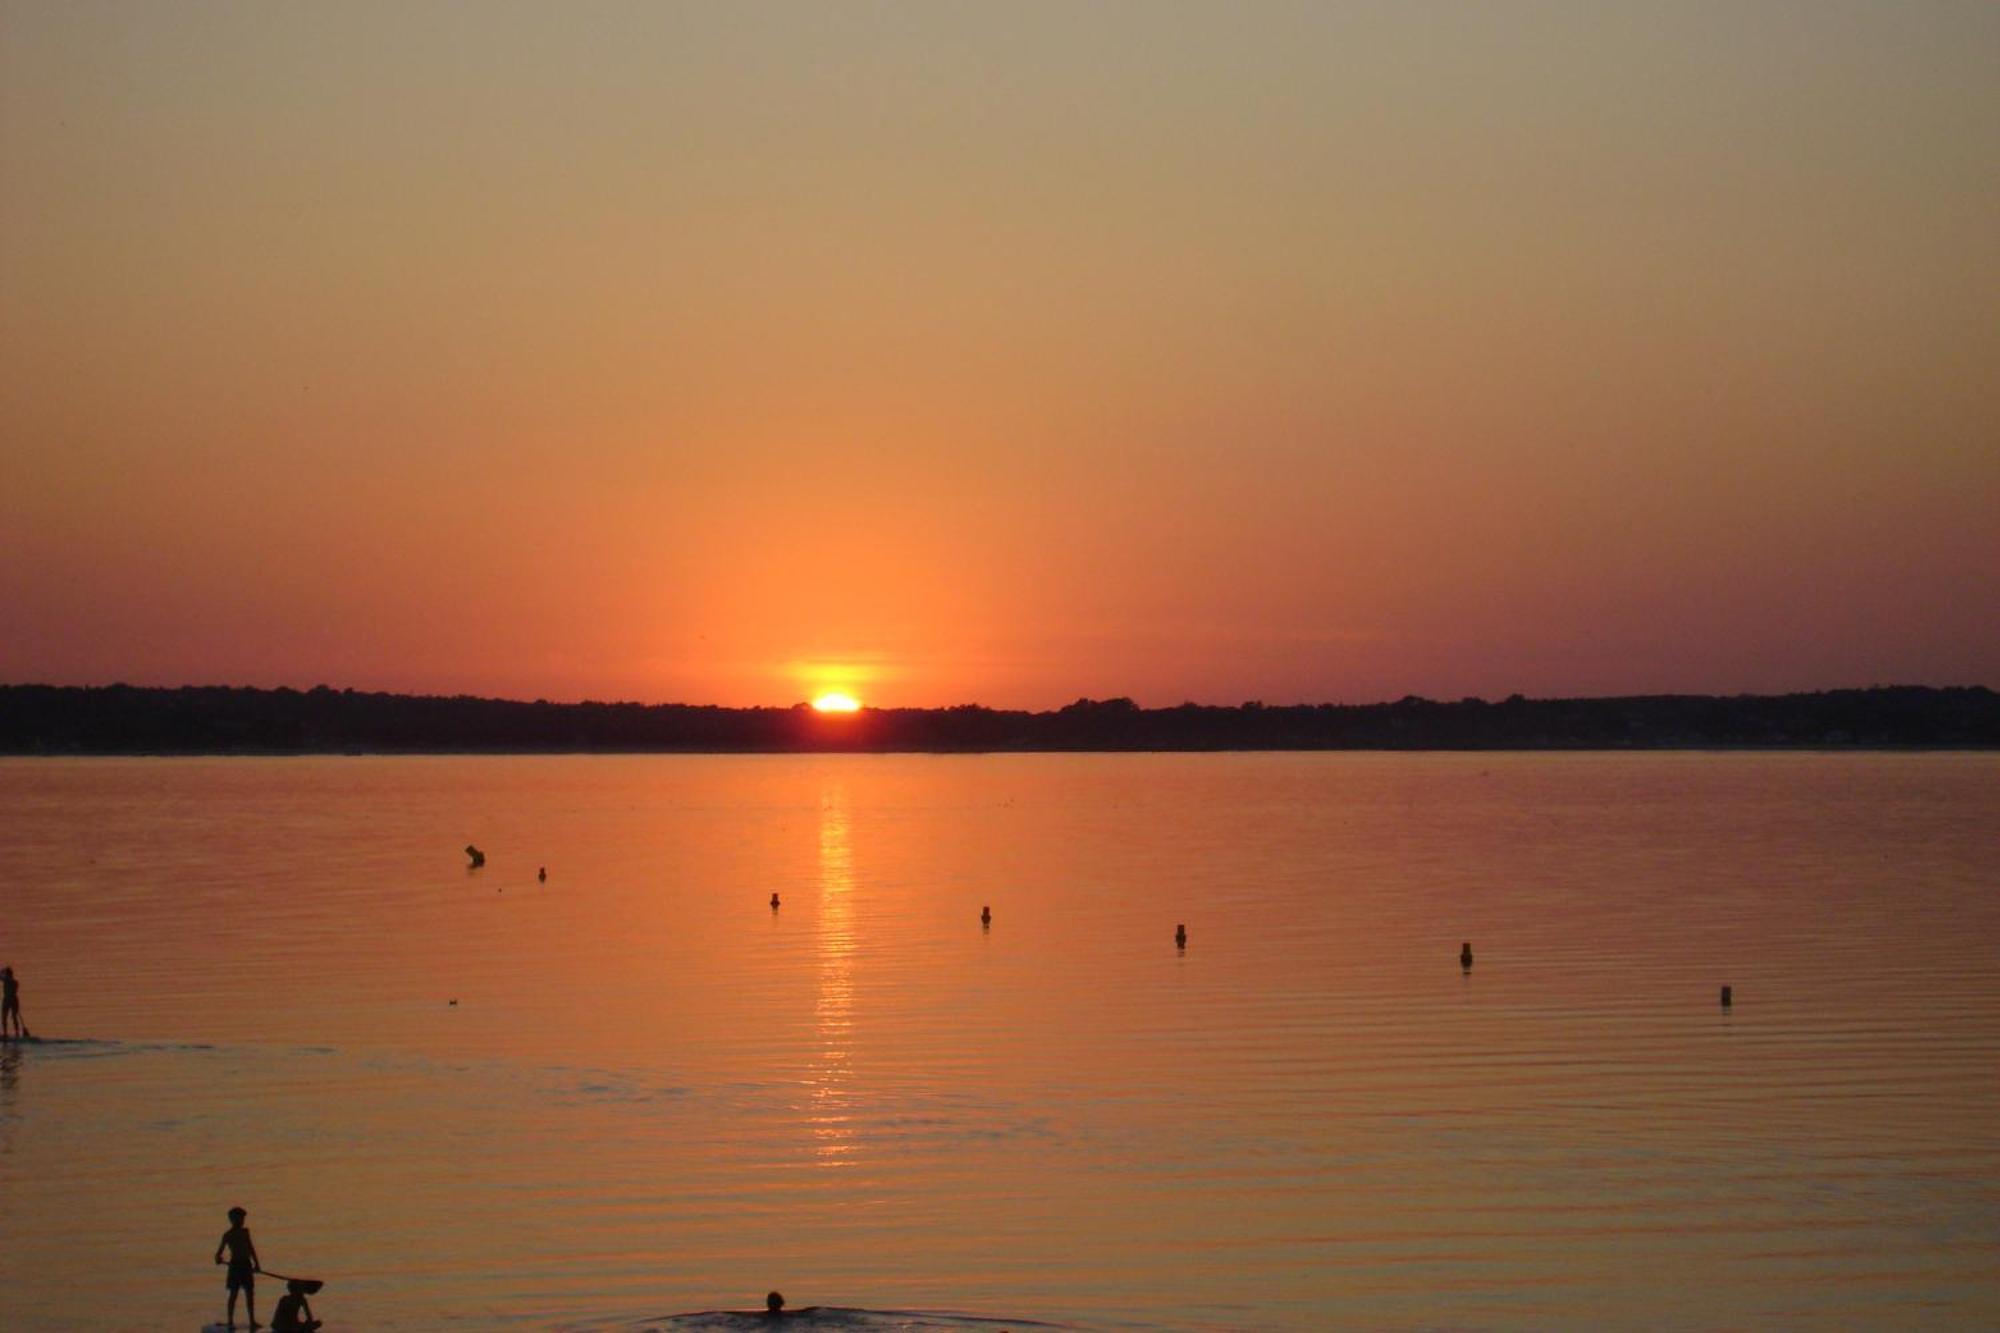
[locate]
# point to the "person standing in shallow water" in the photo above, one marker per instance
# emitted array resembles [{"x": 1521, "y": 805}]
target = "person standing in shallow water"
[
  {"x": 243, "y": 1266},
  {"x": 10, "y": 1004}
]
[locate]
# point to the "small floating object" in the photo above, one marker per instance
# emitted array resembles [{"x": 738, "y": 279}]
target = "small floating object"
[
  {"x": 543, "y": 874},
  {"x": 1180, "y": 936},
  {"x": 774, "y": 902},
  {"x": 1728, "y": 997},
  {"x": 452, "y": 1003},
  {"x": 1465, "y": 954},
  {"x": 474, "y": 855},
  {"x": 985, "y": 916}
]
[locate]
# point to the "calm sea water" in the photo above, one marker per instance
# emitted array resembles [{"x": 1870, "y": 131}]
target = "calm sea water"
[{"x": 657, "y": 1096}]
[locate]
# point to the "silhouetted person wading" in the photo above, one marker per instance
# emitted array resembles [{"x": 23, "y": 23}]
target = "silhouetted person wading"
[
  {"x": 243, "y": 1266},
  {"x": 10, "y": 1004}
]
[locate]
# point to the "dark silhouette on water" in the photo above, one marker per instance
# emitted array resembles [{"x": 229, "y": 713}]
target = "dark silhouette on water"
[
  {"x": 1180, "y": 936},
  {"x": 243, "y": 1266},
  {"x": 10, "y": 1006},
  {"x": 1728, "y": 997},
  {"x": 774, "y": 1307},
  {"x": 1465, "y": 955},
  {"x": 774, "y": 902},
  {"x": 294, "y": 1314},
  {"x": 542, "y": 875},
  {"x": 985, "y": 916},
  {"x": 475, "y": 856}
]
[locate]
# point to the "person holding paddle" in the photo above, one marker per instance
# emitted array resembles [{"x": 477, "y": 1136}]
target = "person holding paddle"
[{"x": 243, "y": 1266}]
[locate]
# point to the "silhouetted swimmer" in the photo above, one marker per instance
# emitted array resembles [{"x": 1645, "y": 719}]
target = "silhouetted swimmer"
[
  {"x": 294, "y": 1314},
  {"x": 475, "y": 856},
  {"x": 774, "y": 1307},
  {"x": 1180, "y": 936},
  {"x": 985, "y": 916},
  {"x": 243, "y": 1266},
  {"x": 1728, "y": 997},
  {"x": 542, "y": 875},
  {"x": 774, "y": 902},
  {"x": 1465, "y": 955},
  {"x": 10, "y": 1005}
]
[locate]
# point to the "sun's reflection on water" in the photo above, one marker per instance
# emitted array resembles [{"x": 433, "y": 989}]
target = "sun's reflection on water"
[{"x": 828, "y": 1112}]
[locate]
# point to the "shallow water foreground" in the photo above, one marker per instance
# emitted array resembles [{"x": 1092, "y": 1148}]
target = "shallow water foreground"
[{"x": 656, "y": 1095}]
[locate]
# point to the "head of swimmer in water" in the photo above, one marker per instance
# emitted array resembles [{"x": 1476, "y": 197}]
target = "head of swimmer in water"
[{"x": 774, "y": 1302}]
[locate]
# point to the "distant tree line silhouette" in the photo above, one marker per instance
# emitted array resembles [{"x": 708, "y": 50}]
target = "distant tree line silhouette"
[{"x": 122, "y": 719}]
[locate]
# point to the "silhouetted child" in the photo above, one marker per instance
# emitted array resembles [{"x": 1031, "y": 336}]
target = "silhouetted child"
[
  {"x": 243, "y": 1266},
  {"x": 293, "y": 1315},
  {"x": 10, "y": 1004}
]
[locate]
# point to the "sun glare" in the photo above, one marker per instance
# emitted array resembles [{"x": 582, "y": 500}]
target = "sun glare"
[{"x": 833, "y": 701}]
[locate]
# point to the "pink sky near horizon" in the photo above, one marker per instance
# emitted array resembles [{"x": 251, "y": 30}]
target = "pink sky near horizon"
[{"x": 1002, "y": 354}]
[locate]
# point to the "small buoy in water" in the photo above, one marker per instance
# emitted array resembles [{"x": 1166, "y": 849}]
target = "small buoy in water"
[
  {"x": 985, "y": 916},
  {"x": 774, "y": 902},
  {"x": 543, "y": 874},
  {"x": 1465, "y": 954},
  {"x": 1180, "y": 935},
  {"x": 1727, "y": 997}
]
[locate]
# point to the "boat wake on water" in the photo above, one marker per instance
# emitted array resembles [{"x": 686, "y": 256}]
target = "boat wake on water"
[{"x": 100, "y": 1045}]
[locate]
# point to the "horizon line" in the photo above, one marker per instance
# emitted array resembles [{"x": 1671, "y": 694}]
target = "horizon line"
[{"x": 1514, "y": 697}]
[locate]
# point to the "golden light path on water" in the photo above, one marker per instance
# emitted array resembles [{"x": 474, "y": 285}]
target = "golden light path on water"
[{"x": 830, "y": 1111}]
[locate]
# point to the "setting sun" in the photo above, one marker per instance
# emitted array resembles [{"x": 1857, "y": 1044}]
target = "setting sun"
[{"x": 833, "y": 701}]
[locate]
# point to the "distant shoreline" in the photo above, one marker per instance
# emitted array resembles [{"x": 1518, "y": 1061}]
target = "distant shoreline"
[
  {"x": 971, "y": 753},
  {"x": 230, "y": 721}
]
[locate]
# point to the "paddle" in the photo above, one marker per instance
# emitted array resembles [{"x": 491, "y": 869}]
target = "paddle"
[{"x": 310, "y": 1285}]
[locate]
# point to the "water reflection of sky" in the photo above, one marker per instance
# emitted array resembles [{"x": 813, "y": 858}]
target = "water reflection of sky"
[
  {"x": 10, "y": 1074},
  {"x": 827, "y": 1112},
  {"x": 635, "y": 1104}
]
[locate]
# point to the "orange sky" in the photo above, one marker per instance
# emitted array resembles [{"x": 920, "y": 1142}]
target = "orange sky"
[{"x": 1005, "y": 353}]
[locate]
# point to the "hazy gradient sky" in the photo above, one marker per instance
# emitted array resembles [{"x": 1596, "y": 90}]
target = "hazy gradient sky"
[{"x": 1001, "y": 352}]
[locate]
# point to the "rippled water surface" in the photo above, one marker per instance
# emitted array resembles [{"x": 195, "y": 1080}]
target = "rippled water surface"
[{"x": 655, "y": 1096}]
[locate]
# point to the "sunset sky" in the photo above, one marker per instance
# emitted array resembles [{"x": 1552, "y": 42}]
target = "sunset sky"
[{"x": 1002, "y": 353}]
